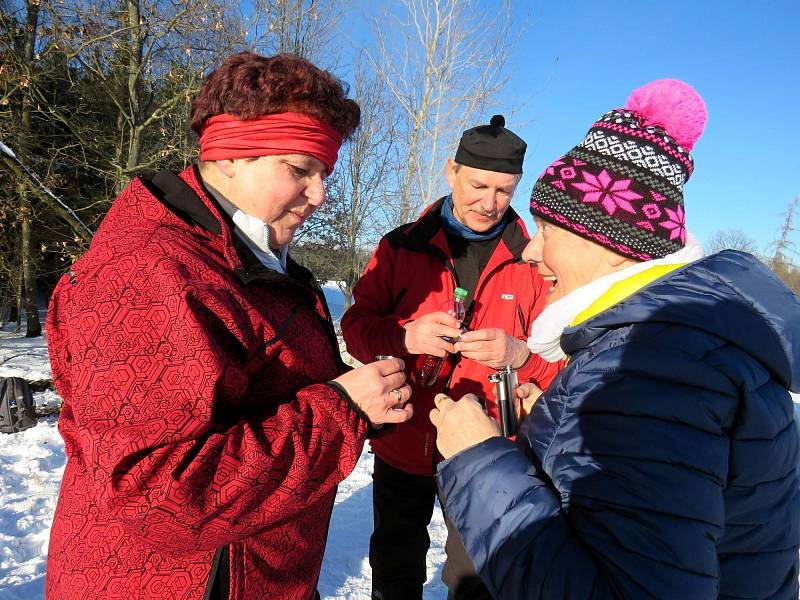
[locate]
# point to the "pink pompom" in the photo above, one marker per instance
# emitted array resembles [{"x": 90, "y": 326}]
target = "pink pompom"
[{"x": 673, "y": 105}]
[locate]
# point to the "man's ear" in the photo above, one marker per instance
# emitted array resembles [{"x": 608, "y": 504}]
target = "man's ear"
[{"x": 450, "y": 172}]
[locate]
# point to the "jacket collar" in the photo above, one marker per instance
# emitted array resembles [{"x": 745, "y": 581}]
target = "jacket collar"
[
  {"x": 730, "y": 295},
  {"x": 186, "y": 197},
  {"x": 426, "y": 233}
]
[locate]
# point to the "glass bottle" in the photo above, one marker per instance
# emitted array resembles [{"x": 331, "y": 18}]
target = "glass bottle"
[{"x": 428, "y": 367}]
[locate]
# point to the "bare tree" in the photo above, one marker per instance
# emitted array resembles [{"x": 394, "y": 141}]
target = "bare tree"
[
  {"x": 92, "y": 92},
  {"x": 732, "y": 239},
  {"x": 443, "y": 61},
  {"x": 783, "y": 245},
  {"x": 307, "y": 28},
  {"x": 354, "y": 215},
  {"x": 145, "y": 59},
  {"x": 20, "y": 29}
]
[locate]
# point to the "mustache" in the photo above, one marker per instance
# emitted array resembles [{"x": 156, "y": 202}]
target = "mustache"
[{"x": 482, "y": 212}]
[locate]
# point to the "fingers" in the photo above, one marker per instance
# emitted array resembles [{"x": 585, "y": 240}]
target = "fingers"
[
  {"x": 519, "y": 407},
  {"x": 442, "y": 347},
  {"x": 399, "y": 411},
  {"x": 394, "y": 381},
  {"x": 441, "y": 318},
  {"x": 395, "y": 408},
  {"x": 524, "y": 390},
  {"x": 434, "y": 336},
  {"x": 491, "y": 347},
  {"x": 479, "y": 335},
  {"x": 446, "y": 331},
  {"x": 488, "y": 357},
  {"x": 436, "y": 346},
  {"x": 444, "y": 404},
  {"x": 440, "y": 324},
  {"x": 481, "y": 339},
  {"x": 424, "y": 335},
  {"x": 527, "y": 395},
  {"x": 399, "y": 415},
  {"x": 472, "y": 398},
  {"x": 442, "y": 401},
  {"x": 390, "y": 365},
  {"x": 435, "y": 417},
  {"x": 477, "y": 355},
  {"x": 391, "y": 370},
  {"x": 399, "y": 396}
]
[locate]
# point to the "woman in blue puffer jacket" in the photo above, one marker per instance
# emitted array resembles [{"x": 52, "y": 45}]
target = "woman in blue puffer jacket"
[{"x": 663, "y": 460}]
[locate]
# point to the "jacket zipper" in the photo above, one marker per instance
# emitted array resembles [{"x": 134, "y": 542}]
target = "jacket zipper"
[{"x": 212, "y": 576}]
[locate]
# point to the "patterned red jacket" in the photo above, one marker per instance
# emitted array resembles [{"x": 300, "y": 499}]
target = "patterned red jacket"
[
  {"x": 410, "y": 274},
  {"x": 196, "y": 419}
]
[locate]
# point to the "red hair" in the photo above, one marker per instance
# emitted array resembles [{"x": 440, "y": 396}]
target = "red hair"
[{"x": 248, "y": 86}]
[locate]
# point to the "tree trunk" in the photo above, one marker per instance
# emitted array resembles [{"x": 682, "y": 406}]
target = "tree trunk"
[
  {"x": 348, "y": 297},
  {"x": 134, "y": 73},
  {"x": 13, "y": 312},
  {"x": 19, "y": 303},
  {"x": 27, "y": 259},
  {"x": 34, "y": 327},
  {"x": 349, "y": 284}
]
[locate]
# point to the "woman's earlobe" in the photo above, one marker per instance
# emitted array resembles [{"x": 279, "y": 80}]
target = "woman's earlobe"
[
  {"x": 617, "y": 261},
  {"x": 226, "y": 166}
]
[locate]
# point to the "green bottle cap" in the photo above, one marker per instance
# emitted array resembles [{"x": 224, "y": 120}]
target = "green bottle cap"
[{"x": 460, "y": 294}]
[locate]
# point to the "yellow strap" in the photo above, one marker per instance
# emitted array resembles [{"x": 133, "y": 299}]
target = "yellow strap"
[{"x": 622, "y": 289}]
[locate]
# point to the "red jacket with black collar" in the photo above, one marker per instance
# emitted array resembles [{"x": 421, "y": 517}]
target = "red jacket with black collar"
[
  {"x": 411, "y": 274},
  {"x": 196, "y": 417}
]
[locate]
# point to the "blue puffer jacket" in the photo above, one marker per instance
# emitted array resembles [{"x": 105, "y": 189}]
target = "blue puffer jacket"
[{"x": 663, "y": 460}]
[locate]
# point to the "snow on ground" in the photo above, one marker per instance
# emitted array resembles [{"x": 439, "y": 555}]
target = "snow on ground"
[
  {"x": 23, "y": 357},
  {"x": 31, "y": 465},
  {"x": 345, "y": 568},
  {"x": 32, "y": 462}
]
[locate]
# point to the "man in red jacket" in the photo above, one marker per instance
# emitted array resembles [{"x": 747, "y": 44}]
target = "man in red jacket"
[{"x": 471, "y": 239}]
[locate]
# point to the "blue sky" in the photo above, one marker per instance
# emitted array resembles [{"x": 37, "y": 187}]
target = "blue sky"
[{"x": 578, "y": 59}]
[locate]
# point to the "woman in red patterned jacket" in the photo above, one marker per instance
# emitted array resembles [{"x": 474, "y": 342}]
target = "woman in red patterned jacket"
[{"x": 207, "y": 415}]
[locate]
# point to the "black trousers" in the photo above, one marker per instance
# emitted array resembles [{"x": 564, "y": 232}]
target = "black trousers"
[{"x": 402, "y": 508}]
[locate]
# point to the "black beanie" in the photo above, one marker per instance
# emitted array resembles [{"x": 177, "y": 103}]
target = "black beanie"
[{"x": 492, "y": 147}]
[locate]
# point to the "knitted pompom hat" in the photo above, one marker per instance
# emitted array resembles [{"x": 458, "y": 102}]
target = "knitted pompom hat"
[
  {"x": 622, "y": 186},
  {"x": 492, "y": 147}
]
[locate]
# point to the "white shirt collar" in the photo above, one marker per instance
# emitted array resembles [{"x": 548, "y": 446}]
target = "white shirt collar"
[{"x": 255, "y": 233}]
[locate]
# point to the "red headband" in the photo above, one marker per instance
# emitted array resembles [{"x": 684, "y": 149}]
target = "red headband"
[{"x": 225, "y": 137}]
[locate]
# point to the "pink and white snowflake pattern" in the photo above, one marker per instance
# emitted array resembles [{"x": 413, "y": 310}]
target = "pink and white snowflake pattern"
[
  {"x": 676, "y": 223},
  {"x": 611, "y": 193}
]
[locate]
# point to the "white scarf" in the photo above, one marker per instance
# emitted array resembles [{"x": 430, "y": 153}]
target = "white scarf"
[
  {"x": 255, "y": 234},
  {"x": 545, "y": 339}
]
